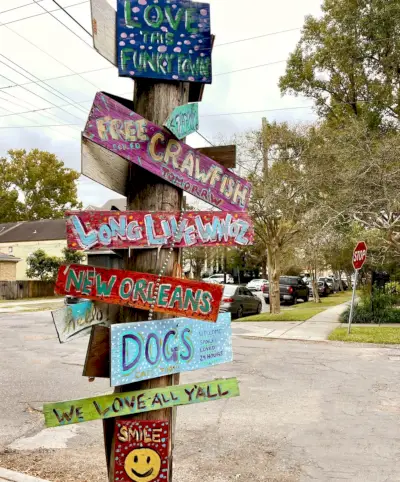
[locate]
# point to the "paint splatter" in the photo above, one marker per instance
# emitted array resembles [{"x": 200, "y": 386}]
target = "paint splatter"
[
  {"x": 203, "y": 12},
  {"x": 142, "y": 2},
  {"x": 175, "y": 77},
  {"x": 123, "y": 35},
  {"x": 196, "y": 47},
  {"x": 177, "y": 49},
  {"x": 122, "y": 44},
  {"x": 131, "y": 35},
  {"x": 190, "y": 51},
  {"x": 187, "y": 42},
  {"x": 162, "y": 48},
  {"x": 132, "y": 42},
  {"x": 131, "y": 72},
  {"x": 136, "y": 9},
  {"x": 191, "y": 79}
]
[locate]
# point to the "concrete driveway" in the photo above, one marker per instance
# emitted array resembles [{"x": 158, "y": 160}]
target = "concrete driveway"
[{"x": 307, "y": 412}]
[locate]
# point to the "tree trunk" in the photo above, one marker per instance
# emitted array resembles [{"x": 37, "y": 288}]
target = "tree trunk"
[
  {"x": 274, "y": 274},
  {"x": 316, "y": 297}
]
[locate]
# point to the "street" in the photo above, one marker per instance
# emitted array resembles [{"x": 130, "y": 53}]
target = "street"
[{"x": 307, "y": 411}]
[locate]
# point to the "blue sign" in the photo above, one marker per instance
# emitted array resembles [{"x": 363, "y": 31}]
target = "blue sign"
[
  {"x": 164, "y": 40},
  {"x": 150, "y": 349}
]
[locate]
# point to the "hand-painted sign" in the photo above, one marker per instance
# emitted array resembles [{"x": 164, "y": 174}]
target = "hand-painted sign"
[
  {"x": 143, "y": 229},
  {"x": 141, "y": 450},
  {"x": 164, "y": 40},
  {"x": 183, "y": 121},
  {"x": 74, "y": 321},
  {"x": 122, "y": 131},
  {"x": 140, "y": 351},
  {"x": 193, "y": 299},
  {"x": 131, "y": 403}
]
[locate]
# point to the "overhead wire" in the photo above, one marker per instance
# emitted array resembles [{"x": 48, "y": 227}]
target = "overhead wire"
[{"x": 72, "y": 17}]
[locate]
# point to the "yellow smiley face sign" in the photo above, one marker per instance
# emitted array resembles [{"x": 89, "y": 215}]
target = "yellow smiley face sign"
[
  {"x": 141, "y": 450},
  {"x": 143, "y": 465}
]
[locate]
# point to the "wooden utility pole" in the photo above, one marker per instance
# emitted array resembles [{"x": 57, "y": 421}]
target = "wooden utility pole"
[{"x": 146, "y": 192}]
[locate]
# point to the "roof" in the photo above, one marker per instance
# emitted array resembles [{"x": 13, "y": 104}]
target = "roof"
[
  {"x": 8, "y": 257},
  {"x": 43, "y": 230}
]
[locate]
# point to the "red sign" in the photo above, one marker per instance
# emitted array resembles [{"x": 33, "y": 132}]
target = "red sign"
[
  {"x": 143, "y": 229},
  {"x": 192, "y": 299},
  {"x": 141, "y": 451},
  {"x": 113, "y": 124},
  {"x": 359, "y": 255}
]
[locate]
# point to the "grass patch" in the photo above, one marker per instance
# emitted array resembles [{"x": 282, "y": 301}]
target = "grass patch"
[
  {"x": 31, "y": 299},
  {"x": 44, "y": 307},
  {"x": 375, "y": 334},
  {"x": 303, "y": 311}
]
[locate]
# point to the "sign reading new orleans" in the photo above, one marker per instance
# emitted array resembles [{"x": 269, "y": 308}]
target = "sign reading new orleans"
[
  {"x": 175, "y": 296},
  {"x": 143, "y": 229},
  {"x": 140, "y": 351},
  {"x": 117, "y": 128},
  {"x": 164, "y": 40}
]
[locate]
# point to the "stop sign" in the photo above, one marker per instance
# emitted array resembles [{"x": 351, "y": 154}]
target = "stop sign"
[{"x": 359, "y": 255}]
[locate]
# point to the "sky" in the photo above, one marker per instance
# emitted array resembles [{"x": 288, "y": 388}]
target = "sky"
[{"x": 47, "y": 65}]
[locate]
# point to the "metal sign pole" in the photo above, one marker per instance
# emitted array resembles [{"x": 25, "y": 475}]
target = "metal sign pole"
[{"x": 352, "y": 301}]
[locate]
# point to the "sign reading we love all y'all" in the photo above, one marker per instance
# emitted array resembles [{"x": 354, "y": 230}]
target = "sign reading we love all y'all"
[
  {"x": 193, "y": 299},
  {"x": 116, "y": 127},
  {"x": 164, "y": 40},
  {"x": 143, "y": 229},
  {"x": 145, "y": 350}
]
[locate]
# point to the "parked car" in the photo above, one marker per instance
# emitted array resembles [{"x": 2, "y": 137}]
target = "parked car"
[
  {"x": 239, "y": 301},
  {"x": 345, "y": 284},
  {"x": 291, "y": 288},
  {"x": 332, "y": 282},
  {"x": 323, "y": 288},
  {"x": 219, "y": 279},
  {"x": 257, "y": 284}
]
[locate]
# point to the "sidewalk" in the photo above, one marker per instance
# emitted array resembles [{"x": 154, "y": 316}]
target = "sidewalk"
[
  {"x": 317, "y": 328},
  {"x": 11, "y": 476}
]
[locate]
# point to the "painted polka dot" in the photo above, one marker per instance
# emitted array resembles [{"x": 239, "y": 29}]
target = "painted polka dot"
[
  {"x": 142, "y": 2},
  {"x": 162, "y": 48},
  {"x": 122, "y": 44},
  {"x": 187, "y": 42},
  {"x": 123, "y": 35},
  {"x": 177, "y": 49},
  {"x": 132, "y": 42}
]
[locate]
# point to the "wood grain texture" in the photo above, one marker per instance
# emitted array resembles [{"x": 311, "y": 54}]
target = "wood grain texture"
[
  {"x": 138, "y": 402},
  {"x": 224, "y": 155},
  {"x": 144, "y": 229},
  {"x": 104, "y": 29},
  {"x": 97, "y": 362},
  {"x": 182, "y": 297}
]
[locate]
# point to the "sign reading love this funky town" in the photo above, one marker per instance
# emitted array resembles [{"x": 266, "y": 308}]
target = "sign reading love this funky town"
[
  {"x": 141, "y": 450},
  {"x": 175, "y": 296},
  {"x": 151, "y": 349},
  {"x": 143, "y": 229},
  {"x": 130, "y": 403},
  {"x": 117, "y": 128},
  {"x": 164, "y": 40}
]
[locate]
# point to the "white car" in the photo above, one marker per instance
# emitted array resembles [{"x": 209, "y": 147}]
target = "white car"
[
  {"x": 219, "y": 279},
  {"x": 257, "y": 284}
]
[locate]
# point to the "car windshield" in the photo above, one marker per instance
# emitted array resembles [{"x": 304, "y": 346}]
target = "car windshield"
[
  {"x": 287, "y": 280},
  {"x": 229, "y": 290}
]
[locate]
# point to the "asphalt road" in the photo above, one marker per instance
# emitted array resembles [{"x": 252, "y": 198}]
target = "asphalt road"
[{"x": 307, "y": 411}]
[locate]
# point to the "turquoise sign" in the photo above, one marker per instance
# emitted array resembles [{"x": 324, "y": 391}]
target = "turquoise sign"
[
  {"x": 140, "y": 351},
  {"x": 183, "y": 121}
]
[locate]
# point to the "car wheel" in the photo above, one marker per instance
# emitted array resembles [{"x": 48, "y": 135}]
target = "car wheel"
[
  {"x": 239, "y": 313},
  {"x": 306, "y": 299},
  {"x": 259, "y": 308},
  {"x": 266, "y": 298}
]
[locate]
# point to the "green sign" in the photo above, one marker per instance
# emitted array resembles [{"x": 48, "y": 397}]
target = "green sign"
[
  {"x": 130, "y": 403},
  {"x": 183, "y": 121}
]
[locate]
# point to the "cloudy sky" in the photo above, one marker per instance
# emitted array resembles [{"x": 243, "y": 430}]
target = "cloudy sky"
[{"x": 52, "y": 69}]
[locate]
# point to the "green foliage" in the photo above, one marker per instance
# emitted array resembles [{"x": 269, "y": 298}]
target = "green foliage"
[
  {"x": 377, "y": 307},
  {"x": 347, "y": 61},
  {"x": 44, "y": 267},
  {"x": 35, "y": 185},
  {"x": 393, "y": 288},
  {"x": 375, "y": 334}
]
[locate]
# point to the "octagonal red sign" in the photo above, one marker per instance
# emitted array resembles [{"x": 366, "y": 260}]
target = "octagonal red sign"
[{"x": 359, "y": 255}]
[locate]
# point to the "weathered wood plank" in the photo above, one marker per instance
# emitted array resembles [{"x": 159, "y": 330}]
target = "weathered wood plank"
[
  {"x": 104, "y": 29},
  {"x": 182, "y": 297},
  {"x": 140, "y": 401},
  {"x": 144, "y": 229},
  {"x": 224, "y": 155},
  {"x": 97, "y": 363},
  {"x": 113, "y": 125}
]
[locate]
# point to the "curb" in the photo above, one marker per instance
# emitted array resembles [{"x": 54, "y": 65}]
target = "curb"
[{"x": 11, "y": 476}]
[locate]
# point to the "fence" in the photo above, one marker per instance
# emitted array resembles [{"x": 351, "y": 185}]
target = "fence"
[{"x": 13, "y": 290}]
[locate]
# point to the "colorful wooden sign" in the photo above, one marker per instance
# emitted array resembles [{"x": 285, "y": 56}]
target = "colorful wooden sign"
[
  {"x": 74, "y": 321},
  {"x": 183, "y": 121},
  {"x": 140, "y": 401},
  {"x": 141, "y": 450},
  {"x": 140, "y": 351},
  {"x": 164, "y": 40},
  {"x": 143, "y": 229},
  {"x": 117, "y": 128},
  {"x": 193, "y": 299}
]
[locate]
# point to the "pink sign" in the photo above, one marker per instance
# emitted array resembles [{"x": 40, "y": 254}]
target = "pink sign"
[
  {"x": 143, "y": 229},
  {"x": 117, "y": 128}
]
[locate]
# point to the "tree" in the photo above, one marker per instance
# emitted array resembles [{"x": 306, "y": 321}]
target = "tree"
[
  {"x": 35, "y": 185},
  {"x": 45, "y": 267},
  {"x": 348, "y": 61}
]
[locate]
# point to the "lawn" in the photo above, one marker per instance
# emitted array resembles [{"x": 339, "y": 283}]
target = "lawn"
[
  {"x": 303, "y": 311},
  {"x": 373, "y": 334}
]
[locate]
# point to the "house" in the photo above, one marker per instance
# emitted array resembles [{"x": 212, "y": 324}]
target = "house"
[
  {"x": 8, "y": 267},
  {"x": 22, "y": 238}
]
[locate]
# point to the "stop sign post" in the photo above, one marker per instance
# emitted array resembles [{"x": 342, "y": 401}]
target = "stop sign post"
[{"x": 359, "y": 258}]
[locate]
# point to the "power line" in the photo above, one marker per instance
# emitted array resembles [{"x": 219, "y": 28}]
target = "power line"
[
  {"x": 257, "y": 37},
  {"x": 250, "y": 68},
  {"x": 62, "y": 23},
  {"x": 30, "y": 127},
  {"x": 38, "y": 14},
  {"x": 73, "y": 18},
  {"x": 205, "y": 138},
  {"x": 264, "y": 110}
]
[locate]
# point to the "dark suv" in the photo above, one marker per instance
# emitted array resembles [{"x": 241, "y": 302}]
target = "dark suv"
[{"x": 291, "y": 288}]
